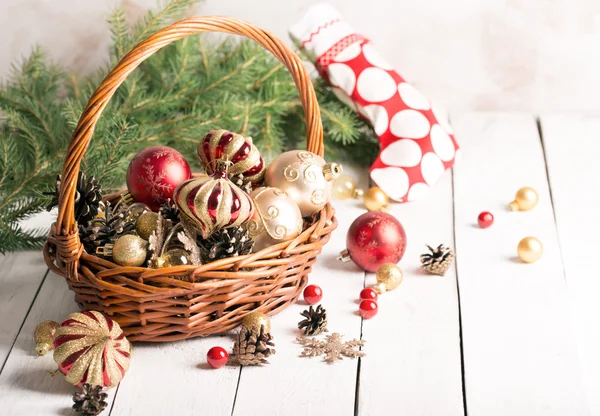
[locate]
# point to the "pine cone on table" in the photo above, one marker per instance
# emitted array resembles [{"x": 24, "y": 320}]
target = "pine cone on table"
[
  {"x": 438, "y": 260},
  {"x": 88, "y": 195},
  {"x": 315, "y": 322},
  {"x": 252, "y": 347},
  {"x": 224, "y": 243},
  {"x": 91, "y": 400}
]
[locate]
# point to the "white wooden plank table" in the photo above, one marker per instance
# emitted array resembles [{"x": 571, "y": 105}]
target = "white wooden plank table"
[{"x": 492, "y": 337}]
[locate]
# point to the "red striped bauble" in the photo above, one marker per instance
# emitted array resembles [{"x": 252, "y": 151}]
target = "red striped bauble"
[
  {"x": 245, "y": 158},
  {"x": 89, "y": 347},
  {"x": 213, "y": 202}
]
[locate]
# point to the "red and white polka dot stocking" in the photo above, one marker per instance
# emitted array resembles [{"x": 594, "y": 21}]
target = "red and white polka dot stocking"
[{"x": 417, "y": 144}]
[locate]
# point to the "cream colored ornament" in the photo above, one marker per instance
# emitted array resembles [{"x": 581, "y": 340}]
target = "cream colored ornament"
[
  {"x": 276, "y": 218},
  {"x": 305, "y": 177}
]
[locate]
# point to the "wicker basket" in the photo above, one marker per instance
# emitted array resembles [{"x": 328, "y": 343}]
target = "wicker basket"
[{"x": 150, "y": 304}]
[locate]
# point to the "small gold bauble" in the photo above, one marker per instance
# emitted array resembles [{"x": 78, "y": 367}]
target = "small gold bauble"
[
  {"x": 146, "y": 224},
  {"x": 130, "y": 250},
  {"x": 376, "y": 199},
  {"x": 44, "y": 336},
  {"x": 135, "y": 210},
  {"x": 174, "y": 257},
  {"x": 525, "y": 199},
  {"x": 255, "y": 320},
  {"x": 344, "y": 187},
  {"x": 530, "y": 249},
  {"x": 389, "y": 275},
  {"x": 380, "y": 288}
]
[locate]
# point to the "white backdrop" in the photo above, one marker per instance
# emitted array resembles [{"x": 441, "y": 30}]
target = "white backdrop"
[{"x": 521, "y": 55}]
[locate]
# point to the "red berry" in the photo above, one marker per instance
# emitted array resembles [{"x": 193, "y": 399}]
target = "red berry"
[
  {"x": 368, "y": 294},
  {"x": 313, "y": 294},
  {"x": 217, "y": 357},
  {"x": 368, "y": 309},
  {"x": 485, "y": 219}
]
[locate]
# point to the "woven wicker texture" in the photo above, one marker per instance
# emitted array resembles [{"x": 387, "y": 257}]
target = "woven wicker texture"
[{"x": 185, "y": 301}]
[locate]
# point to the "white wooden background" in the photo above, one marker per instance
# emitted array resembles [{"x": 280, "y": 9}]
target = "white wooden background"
[{"x": 493, "y": 337}]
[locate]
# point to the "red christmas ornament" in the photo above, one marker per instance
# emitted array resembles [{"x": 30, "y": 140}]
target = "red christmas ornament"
[
  {"x": 485, "y": 219},
  {"x": 373, "y": 239},
  {"x": 368, "y": 309},
  {"x": 368, "y": 293},
  {"x": 154, "y": 173},
  {"x": 313, "y": 294},
  {"x": 217, "y": 357}
]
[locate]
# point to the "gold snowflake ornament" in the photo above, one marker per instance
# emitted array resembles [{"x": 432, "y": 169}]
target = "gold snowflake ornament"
[{"x": 333, "y": 347}]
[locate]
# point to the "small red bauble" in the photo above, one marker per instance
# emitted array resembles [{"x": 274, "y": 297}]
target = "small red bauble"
[
  {"x": 373, "y": 239},
  {"x": 368, "y": 309},
  {"x": 485, "y": 219},
  {"x": 217, "y": 357},
  {"x": 154, "y": 173},
  {"x": 313, "y": 294},
  {"x": 368, "y": 293}
]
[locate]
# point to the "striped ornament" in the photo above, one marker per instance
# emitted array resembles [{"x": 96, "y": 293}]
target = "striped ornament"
[
  {"x": 213, "y": 202},
  {"x": 225, "y": 145},
  {"x": 91, "y": 348}
]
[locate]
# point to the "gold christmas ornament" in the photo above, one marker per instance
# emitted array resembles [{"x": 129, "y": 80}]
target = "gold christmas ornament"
[
  {"x": 380, "y": 288},
  {"x": 389, "y": 276},
  {"x": 146, "y": 224},
  {"x": 376, "y": 199},
  {"x": 89, "y": 347},
  {"x": 276, "y": 218},
  {"x": 305, "y": 177},
  {"x": 44, "y": 336},
  {"x": 129, "y": 250},
  {"x": 344, "y": 187},
  {"x": 174, "y": 257},
  {"x": 213, "y": 202},
  {"x": 530, "y": 249},
  {"x": 239, "y": 150},
  {"x": 525, "y": 199},
  {"x": 254, "y": 320},
  {"x": 135, "y": 210}
]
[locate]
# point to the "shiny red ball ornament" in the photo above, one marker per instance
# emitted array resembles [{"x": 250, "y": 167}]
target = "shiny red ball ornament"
[
  {"x": 368, "y": 309},
  {"x": 368, "y": 293},
  {"x": 373, "y": 239},
  {"x": 313, "y": 294},
  {"x": 485, "y": 219},
  {"x": 217, "y": 357},
  {"x": 154, "y": 173}
]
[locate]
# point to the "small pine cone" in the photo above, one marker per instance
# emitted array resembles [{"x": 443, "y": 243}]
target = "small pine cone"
[
  {"x": 224, "y": 243},
  {"x": 438, "y": 260},
  {"x": 169, "y": 212},
  {"x": 315, "y": 322},
  {"x": 102, "y": 231},
  {"x": 91, "y": 400},
  {"x": 88, "y": 196},
  {"x": 252, "y": 347}
]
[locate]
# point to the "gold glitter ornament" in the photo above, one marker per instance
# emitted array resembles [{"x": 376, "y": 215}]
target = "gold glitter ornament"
[
  {"x": 530, "y": 249},
  {"x": 305, "y": 177},
  {"x": 129, "y": 250},
  {"x": 89, "y": 347},
  {"x": 389, "y": 276},
  {"x": 254, "y": 320},
  {"x": 344, "y": 187},
  {"x": 146, "y": 224},
  {"x": 174, "y": 257},
  {"x": 525, "y": 199},
  {"x": 44, "y": 336},
  {"x": 276, "y": 218},
  {"x": 135, "y": 210},
  {"x": 376, "y": 199}
]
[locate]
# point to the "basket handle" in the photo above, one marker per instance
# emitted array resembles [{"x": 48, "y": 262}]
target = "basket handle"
[{"x": 69, "y": 249}]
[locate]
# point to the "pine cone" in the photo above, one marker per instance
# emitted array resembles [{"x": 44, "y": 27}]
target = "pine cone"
[
  {"x": 315, "y": 322},
  {"x": 438, "y": 260},
  {"x": 91, "y": 400},
  {"x": 169, "y": 212},
  {"x": 102, "y": 231},
  {"x": 252, "y": 347},
  {"x": 239, "y": 181},
  {"x": 226, "y": 242},
  {"x": 88, "y": 195}
]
